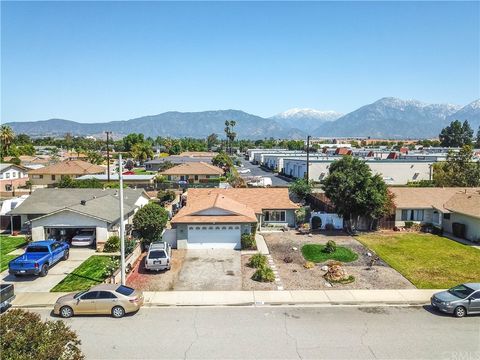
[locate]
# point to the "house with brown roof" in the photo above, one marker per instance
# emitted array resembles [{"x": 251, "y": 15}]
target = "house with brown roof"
[
  {"x": 441, "y": 207},
  {"x": 217, "y": 218},
  {"x": 52, "y": 174},
  {"x": 193, "y": 172}
]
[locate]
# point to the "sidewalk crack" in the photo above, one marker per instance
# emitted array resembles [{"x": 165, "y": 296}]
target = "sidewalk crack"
[
  {"x": 297, "y": 350},
  {"x": 362, "y": 340},
  {"x": 196, "y": 335}
]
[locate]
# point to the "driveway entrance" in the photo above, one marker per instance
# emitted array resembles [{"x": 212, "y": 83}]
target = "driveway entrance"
[{"x": 217, "y": 269}]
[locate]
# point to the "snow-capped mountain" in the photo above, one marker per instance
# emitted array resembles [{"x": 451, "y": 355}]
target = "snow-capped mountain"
[
  {"x": 470, "y": 112},
  {"x": 391, "y": 117},
  {"x": 305, "y": 119}
]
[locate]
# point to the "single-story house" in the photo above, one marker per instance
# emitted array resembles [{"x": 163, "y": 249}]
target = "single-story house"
[
  {"x": 193, "y": 172},
  {"x": 52, "y": 174},
  {"x": 61, "y": 213},
  {"x": 157, "y": 164},
  {"x": 217, "y": 218},
  {"x": 12, "y": 176},
  {"x": 134, "y": 180},
  {"x": 440, "y": 207}
]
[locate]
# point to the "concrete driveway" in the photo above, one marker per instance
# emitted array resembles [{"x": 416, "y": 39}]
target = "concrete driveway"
[
  {"x": 56, "y": 273},
  {"x": 216, "y": 269}
]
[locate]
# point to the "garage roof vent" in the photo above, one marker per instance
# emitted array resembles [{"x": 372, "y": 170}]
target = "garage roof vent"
[{"x": 83, "y": 202}]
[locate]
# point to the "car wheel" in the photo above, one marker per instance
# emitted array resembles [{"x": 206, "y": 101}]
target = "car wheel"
[
  {"x": 66, "y": 312},
  {"x": 118, "y": 312},
  {"x": 66, "y": 254},
  {"x": 44, "y": 270},
  {"x": 460, "y": 311}
]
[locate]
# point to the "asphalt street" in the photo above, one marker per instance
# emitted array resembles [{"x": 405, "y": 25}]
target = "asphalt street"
[
  {"x": 256, "y": 170},
  {"x": 279, "y": 333}
]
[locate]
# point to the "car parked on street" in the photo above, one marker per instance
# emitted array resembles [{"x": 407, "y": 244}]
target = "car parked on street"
[
  {"x": 113, "y": 299},
  {"x": 86, "y": 237},
  {"x": 39, "y": 256},
  {"x": 460, "y": 300},
  {"x": 158, "y": 256}
]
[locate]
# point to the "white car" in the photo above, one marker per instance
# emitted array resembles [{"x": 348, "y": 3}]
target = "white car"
[
  {"x": 86, "y": 237},
  {"x": 244, "y": 171},
  {"x": 159, "y": 256}
]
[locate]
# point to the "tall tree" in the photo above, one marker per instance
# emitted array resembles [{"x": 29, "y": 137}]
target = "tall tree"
[
  {"x": 132, "y": 139},
  {"x": 230, "y": 134},
  {"x": 212, "y": 140},
  {"x": 355, "y": 191},
  {"x": 456, "y": 134},
  {"x": 6, "y": 137},
  {"x": 142, "y": 151},
  {"x": 477, "y": 142},
  {"x": 460, "y": 169}
]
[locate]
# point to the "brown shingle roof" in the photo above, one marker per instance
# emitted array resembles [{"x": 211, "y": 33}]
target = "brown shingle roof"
[
  {"x": 69, "y": 167},
  {"x": 424, "y": 198},
  {"x": 465, "y": 203},
  {"x": 194, "y": 168},
  {"x": 244, "y": 203}
]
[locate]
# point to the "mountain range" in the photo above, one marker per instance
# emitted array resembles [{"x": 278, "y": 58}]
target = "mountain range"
[{"x": 386, "y": 118}]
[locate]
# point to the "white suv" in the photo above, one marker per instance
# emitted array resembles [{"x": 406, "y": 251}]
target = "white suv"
[{"x": 159, "y": 256}]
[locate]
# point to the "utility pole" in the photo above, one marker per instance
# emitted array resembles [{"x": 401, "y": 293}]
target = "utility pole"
[
  {"x": 122, "y": 225},
  {"x": 308, "y": 158},
  {"x": 108, "y": 157}
]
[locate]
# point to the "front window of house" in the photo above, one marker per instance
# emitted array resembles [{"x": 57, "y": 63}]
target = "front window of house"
[
  {"x": 274, "y": 216},
  {"x": 412, "y": 215}
]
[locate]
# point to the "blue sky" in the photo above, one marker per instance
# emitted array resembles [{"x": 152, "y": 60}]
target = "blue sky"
[{"x": 102, "y": 61}]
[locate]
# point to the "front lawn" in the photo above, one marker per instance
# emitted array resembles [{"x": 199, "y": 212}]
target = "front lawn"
[
  {"x": 316, "y": 253},
  {"x": 7, "y": 245},
  {"x": 91, "y": 272},
  {"x": 140, "y": 171},
  {"x": 428, "y": 261}
]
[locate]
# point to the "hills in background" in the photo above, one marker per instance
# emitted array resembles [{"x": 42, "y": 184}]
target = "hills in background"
[{"x": 385, "y": 118}]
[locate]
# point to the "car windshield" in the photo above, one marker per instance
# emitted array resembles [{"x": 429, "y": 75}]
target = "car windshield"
[
  {"x": 125, "y": 290},
  {"x": 85, "y": 233},
  {"x": 37, "y": 249},
  {"x": 77, "y": 295},
  {"x": 460, "y": 291},
  {"x": 156, "y": 254}
]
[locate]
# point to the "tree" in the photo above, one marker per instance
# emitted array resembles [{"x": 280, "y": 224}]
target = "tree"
[
  {"x": 166, "y": 196},
  {"x": 302, "y": 188},
  {"x": 150, "y": 221},
  {"x": 129, "y": 165},
  {"x": 460, "y": 169},
  {"x": 477, "y": 142},
  {"x": 355, "y": 192},
  {"x": 142, "y": 151},
  {"x": 229, "y": 125},
  {"x": 94, "y": 158},
  {"x": 223, "y": 160},
  {"x": 132, "y": 139},
  {"x": 456, "y": 134},
  {"x": 23, "y": 335},
  {"x": 6, "y": 137},
  {"x": 212, "y": 140}
]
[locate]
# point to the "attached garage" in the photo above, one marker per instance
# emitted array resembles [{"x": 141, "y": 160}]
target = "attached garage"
[{"x": 224, "y": 236}]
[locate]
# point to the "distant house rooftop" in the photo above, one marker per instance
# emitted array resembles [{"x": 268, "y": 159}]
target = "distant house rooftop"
[
  {"x": 69, "y": 167},
  {"x": 194, "y": 168}
]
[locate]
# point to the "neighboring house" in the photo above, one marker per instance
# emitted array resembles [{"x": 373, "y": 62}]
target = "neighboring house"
[
  {"x": 143, "y": 181},
  {"x": 6, "y": 221},
  {"x": 157, "y": 164},
  {"x": 61, "y": 213},
  {"x": 12, "y": 176},
  {"x": 216, "y": 218},
  {"x": 193, "y": 172},
  {"x": 52, "y": 174},
  {"x": 27, "y": 160},
  {"x": 440, "y": 207}
]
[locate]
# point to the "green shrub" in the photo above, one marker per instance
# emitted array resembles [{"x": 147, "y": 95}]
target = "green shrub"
[
  {"x": 331, "y": 247},
  {"x": 257, "y": 261},
  {"x": 437, "y": 230},
  {"x": 130, "y": 246},
  {"x": 23, "y": 335},
  {"x": 149, "y": 221},
  {"x": 166, "y": 196},
  {"x": 248, "y": 242},
  {"x": 264, "y": 274},
  {"x": 408, "y": 224},
  {"x": 112, "y": 244}
]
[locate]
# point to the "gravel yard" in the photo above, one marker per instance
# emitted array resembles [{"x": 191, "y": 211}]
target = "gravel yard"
[
  {"x": 145, "y": 280},
  {"x": 248, "y": 283},
  {"x": 295, "y": 277}
]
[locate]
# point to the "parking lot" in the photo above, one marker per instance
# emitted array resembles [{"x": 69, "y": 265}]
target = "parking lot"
[
  {"x": 256, "y": 170},
  {"x": 56, "y": 273}
]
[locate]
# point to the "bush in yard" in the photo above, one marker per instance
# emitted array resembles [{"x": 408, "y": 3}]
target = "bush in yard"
[
  {"x": 331, "y": 247},
  {"x": 112, "y": 244},
  {"x": 257, "y": 261},
  {"x": 408, "y": 224},
  {"x": 112, "y": 266},
  {"x": 150, "y": 221},
  {"x": 23, "y": 335},
  {"x": 130, "y": 245},
  {"x": 248, "y": 242},
  {"x": 264, "y": 274},
  {"x": 166, "y": 196}
]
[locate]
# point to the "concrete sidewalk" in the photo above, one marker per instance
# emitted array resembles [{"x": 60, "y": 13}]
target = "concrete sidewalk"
[{"x": 258, "y": 298}]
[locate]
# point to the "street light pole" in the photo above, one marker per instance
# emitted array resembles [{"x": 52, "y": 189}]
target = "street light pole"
[
  {"x": 122, "y": 225},
  {"x": 308, "y": 158},
  {"x": 108, "y": 157}
]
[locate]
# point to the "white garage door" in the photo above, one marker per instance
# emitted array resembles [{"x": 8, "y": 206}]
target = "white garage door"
[{"x": 214, "y": 237}]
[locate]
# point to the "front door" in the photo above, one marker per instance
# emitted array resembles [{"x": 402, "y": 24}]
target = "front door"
[{"x": 86, "y": 303}]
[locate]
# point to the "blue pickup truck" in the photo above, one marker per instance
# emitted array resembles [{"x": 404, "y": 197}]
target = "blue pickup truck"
[{"x": 39, "y": 256}]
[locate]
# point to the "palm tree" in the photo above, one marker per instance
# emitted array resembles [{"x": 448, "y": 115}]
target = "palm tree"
[
  {"x": 6, "y": 137},
  {"x": 142, "y": 151}
]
